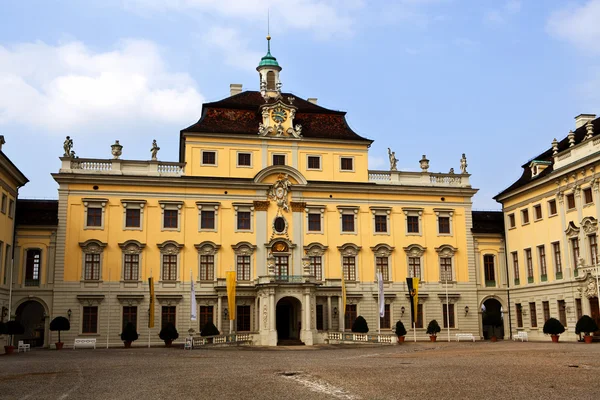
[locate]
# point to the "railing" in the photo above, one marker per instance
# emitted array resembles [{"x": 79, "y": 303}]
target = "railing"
[
  {"x": 446, "y": 179},
  {"x": 121, "y": 167},
  {"x": 91, "y": 165},
  {"x": 380, "y": 177},
  {"x": 234, "y": 338},
  {"x": 290, "y": 278},
  {"x": 343, "y": 337},
  {"x": 419, "y": 178},
  {"x": 170, "y": 168}
]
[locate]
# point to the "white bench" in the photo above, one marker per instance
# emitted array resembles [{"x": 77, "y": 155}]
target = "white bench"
[
  {"x": 467, "y": 336},
  {"x": 23, "y": 347},
  {"x": 88, "y": 342},
  {"x": 522, "y": 336}
]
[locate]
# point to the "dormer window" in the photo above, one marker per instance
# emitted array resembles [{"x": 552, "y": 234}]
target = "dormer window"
[{"x": 538, "y": 166}]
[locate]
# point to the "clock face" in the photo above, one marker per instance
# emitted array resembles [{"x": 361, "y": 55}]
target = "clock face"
[{"x": 279, "y": 115}]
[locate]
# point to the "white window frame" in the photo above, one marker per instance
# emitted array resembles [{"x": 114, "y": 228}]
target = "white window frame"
[
  {"x": 315, "y": 210},
  {"x": 513, "y": 219},
  {"x": 549, "y": 208},
  {"x": 583, "y": 200},
  {"x": 447, "y": 251},
  {"x": 216, "y": 164},
  {"x": 448, "y": 213},
  {"x": 533, "y": 208},
  {"x": 567, "y": 201},
  {"x": 413, "y": 212},
  {"x": 350, "y": 250},
  {"x": 11, "y": 208},
  {"x": 4, "y": 203},
  {"x": 416, "y": 251},
  {"x": 353, "y": 164},
  {"x": 243, "y": 207},
  {"x": 285, "y": 158},
  {"x": 320, "y": 162},
  {"x": 133, "y": 205},
  {"x": 383, "y": 250},
  {"x": 170, "y": 247},
  {"x": 208, "y": 248},
  {"x": 131, "y": 247},
  {"x": 208, "y": 206},
  {"x": 381, "y": 211},
  {"x": 94, "y": 203},
  {"x": 237, "y": 159},
  {"x": 317, "y": 250},
  {"x": 349, "y": 210},
  {"x": 170, "y": 205},
  {"x": 244, "y": 249},
  {"x": 92, "y": 246},
  {"x": 524, "y": 211}
]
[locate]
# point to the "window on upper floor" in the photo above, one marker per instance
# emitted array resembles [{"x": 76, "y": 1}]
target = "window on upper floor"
[
  {"x": 381, "y": 220},
  {"x": 278, "y": 159},
  {"x": 170, "y": 219},
  {"x": 511, "y": 220},
  {"x": 489, "y": 269},
  {"x": 381, "y": 224},
  {"x": 587, "y": 196},
  {"x": 348, "y": 223},
  {"x": 316, "y": 254},
  {"x": 243, "y": 260},
  {"x": 209, "y": 157},
  {"x": 524, "y": 216},
  {"x": 132, "y": 254},
  {"x": 92, "y": 259},
  {"x": 383, "y": 253},
  {"x": 3, "y": 204},
  {"x": 314, "y": 222},
  {"x": 414, "y": 254},
  {"x": 515, "y": 259},
  {"x": 542, "y": 261},
  {"x": 94, "y": 216},
  {"x": 570, "y": 201},
  {"x": 575, "y": 251},
  {"x": 244, "y": 160},
  {"x": 348, "y": 219},
  {"x": 208, "y": 213},
  {"x": 169, "y": 260},
  {"x": 444, "y": 225},
  {"x": 349, "y": 254},
  {"x": 132, "y": 218},
  {"x": 412, "y": 224},
  {"x": 171, "y": 215},
  {"x": 557, "y": 260},
  {"x": 444, "y": 221},
  {"x": 11, "y": 208},
  {"x": 347, "y": 163},
  {"x": 207, "y": 256},
  {"x": 94, "y": 213},
  {"x": 529, "y": 261},
  {"x": 593, "y": 242},
  {"x": 32, "y": 267},
  {"x": 313, "y": 162},
  {"x": 537, "y": 212},
  {"x": 133, "y": 214},
  {"x": 243, "y": 220},
  {"x": 552, "y": 207}
]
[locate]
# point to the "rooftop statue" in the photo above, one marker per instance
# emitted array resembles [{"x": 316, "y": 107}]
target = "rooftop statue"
[
  {"x": 463, "y": 164},
  {"x": 68, "y": 147},
  {"x": 393, "y": 160},
  {"x": 154, "y": 150}
]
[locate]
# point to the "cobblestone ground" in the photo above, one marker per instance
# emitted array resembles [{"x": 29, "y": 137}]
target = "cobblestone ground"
[{"x": 503, "y": 370}]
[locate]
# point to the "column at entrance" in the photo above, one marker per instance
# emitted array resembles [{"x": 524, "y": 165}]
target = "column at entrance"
[
  {"x": 329, "y": 313},
  {"x": 341, "y": 314},
  {"x": 219, "y": 313}
]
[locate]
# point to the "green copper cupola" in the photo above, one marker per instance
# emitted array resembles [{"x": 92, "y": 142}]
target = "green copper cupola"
[{"x": 268, "y": 70}]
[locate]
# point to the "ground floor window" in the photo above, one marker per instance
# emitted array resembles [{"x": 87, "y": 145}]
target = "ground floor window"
[
  {"x": 546, "y": 308},
  {"x": 578, "y": 308},
  {"x": 350, "y": 315},
  {"x": 168, "y": 315},
  {"x": 448, "y": 311},
  {"x": 90, "y": 320},
  {"x": 385, "y": 321},
  {"x": 206, "y": 315},
  {"x": 419, "y": 323},
  {"x": 130, "y": 316},
  {"x": 562, "y": 312},
  {"x": 319, "y": 317},
  {"x": 519, "y": 315},
  {"x": 243, "y": 318}
]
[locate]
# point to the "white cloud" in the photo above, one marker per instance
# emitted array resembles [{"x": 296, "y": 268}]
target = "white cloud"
[
  {"x": 70, "y": 86},
  {"x": 235, "y": 48},
  {"x": 578, "y": 25}
]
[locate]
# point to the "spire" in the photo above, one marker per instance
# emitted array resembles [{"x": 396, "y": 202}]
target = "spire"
[{"x": 268, "y": 59}]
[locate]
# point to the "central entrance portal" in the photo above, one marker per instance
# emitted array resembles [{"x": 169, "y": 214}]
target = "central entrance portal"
[{"x": 288, "y": 321}]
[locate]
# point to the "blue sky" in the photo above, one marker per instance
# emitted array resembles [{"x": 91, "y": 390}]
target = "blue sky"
[{"x": 495, "y": 79}]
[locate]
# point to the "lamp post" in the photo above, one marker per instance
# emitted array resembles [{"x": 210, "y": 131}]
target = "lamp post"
[{"x": 447, "y": 304}]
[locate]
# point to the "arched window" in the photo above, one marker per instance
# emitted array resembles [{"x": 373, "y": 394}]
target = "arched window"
[
  {"x": 132, "y": 255},
  {"x": 270, "y": 80}
]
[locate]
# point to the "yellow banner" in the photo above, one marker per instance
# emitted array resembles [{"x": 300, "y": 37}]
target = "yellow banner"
[
  {"x": 415, "y": 298},
  {"x": 231, "y": 294},
  {"x": 343, "y": 293},
  {"x": 151, "y": 307}
]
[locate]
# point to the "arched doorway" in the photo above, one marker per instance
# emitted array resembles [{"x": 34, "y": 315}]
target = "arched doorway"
[
  {"x": 31, "y": 315},
  {"x": 492, "y": 319},
  {"x": 288, "y": 321}
]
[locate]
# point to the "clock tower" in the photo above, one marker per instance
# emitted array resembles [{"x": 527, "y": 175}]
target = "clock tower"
[{"x": 268, "y": 70}]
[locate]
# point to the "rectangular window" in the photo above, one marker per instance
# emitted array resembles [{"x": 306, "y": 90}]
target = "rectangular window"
[
  {"x": 533, "y": 315},
  {"x": 515, "y": 258},
  {"x": 132, "y": 217},
  {"x": 209, "y": 158},
  {"x": 381, "y": 223},
  {"x": 448, "y": 311},
  {"x": 381, "y": 264},
  {"x": 557, "y": 259},
  {"x": 314, "y": 222},
  {"x": 168, "y": 316},
  {"x": 1, "y": 261},
  {"x": 414, "y": 267},
  {"x": 570, "y": 201},
  {"x": 587, "y": 196},
  {"x": 282, "y": 267},
  {"x": 243, "y": 268},
  {"x": 537, "y": 210},
  {"x": 92, "y": 267},
  {"x": 524, "y": 216},
  {"x": 207, "y": 267},
  {"x": 444, "y": 225},
  {"x": 170, "y": 219},
  {"x": 445, "y": 269},
  {"x": 546, "y": 308},
  {"x": 347, "y": 222},
  {"x": 542, "y": 255},
  {"x": 169, "y": 267},
  {"x": 206, "y": 316},
  {"x": 419, "y": 323},
  {"x": 593, "y": 248},
  {"x": 346, "y": 164},
  {"x": 575, "y": 249},
  {"x": 243, "y": 220},
  {"x": 320, "y": 317},
  {"x": 489, "y": 270},
  {"x": 129, "y": 316},
  {"x": 94, "y": 216},
  {"x": 11, "y": 208},
  {"x": 562, "y": 312},
  {"x": 511, "y": 221},
  {"x": 32, "y": 267},
  {"x": 349, "y": 266},
  {"x": 578, "y": 308},
  {"x": 131, "y": 267},
  {"x": 385, "y": 321},
  {"x": 7, "y": 257},
  {"x": 412, "y": 224},
  {"x": 552, "y": 207},
  {"x": 244, "y": 159},
  {"x": 90, "y": 320},
  {"x": 3, "y": 206},
  {"x": 316, "y": 267},
  {"x": 314, "y": 162},
  {"x": 529, "y": 265},
  {"x": 519, "y": 315},
  {"x": 243, "y": 318},
  {"x": 350, "y": 316},
  {"x": 278, "y": 159},
  {"x": 207, "y": 219}
]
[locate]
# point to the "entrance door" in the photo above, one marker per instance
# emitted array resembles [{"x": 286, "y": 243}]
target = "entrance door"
[
  {"x": 31, "y": 315},
  {"x": 595, "y": 313},
  {"x": 492, "y": 319},
  {"x": 287, "y": 320}
]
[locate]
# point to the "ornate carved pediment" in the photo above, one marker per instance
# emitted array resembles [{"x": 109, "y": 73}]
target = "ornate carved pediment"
[
  {"x": 446, "y": 250},
  {"x": 207, "y": 248},
  {"x": 572, "y": 230},
  {"x": 170, "y": 247},
  {"x": 349, "y": 250},
  {"x": 589, "y": 225},
  {"x": 591, "y": 288},
  {"x": 315, "y": 250},
  {"x": 90, "y": 299},
  {"x": 278, "y": 192},
  {"x": 132, "y": 247},
  {"x": 382, "y": 250},
  {"x": 278, "y": 121},
  {"x": 415, "y": 250},
  {"x": 92, "y": 246},
  {"x": 243, "y": 248},
  {"x": 130, "y": 299}
]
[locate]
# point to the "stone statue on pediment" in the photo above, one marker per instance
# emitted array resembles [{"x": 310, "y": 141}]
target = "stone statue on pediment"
[
  {"x": 463, "y": 164},
  {"x": 393, "y": 160},
  {"x": 68, "y": 146},
  {"x": 154, "y": 150}
]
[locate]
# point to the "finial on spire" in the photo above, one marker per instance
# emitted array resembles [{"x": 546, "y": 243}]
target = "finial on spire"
[{"x": 268, "y": 31}]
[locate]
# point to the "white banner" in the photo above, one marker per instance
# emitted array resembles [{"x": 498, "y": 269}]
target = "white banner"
[
  {"x": 193, "y": 300},
  {"x": 381, "y": 296}
]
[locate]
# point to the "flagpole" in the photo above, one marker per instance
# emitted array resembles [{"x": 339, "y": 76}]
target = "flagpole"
[
  {"x": 415, "y": 331},
  {"x": 108, "y": 325},
  {"x": 149, "y": 310},
  {"x": 447, "y": 310}
]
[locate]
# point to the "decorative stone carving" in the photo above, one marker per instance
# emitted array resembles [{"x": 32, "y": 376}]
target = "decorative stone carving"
[
  {"x": 265, "y": 316},
  {"x": 116, "y": 150},
  {"x": 572, "y": 230},
  {"x": 393, "y": 160},
  {"x": 415, "y": 250},
  {"x": 264, "y": 130},
  {"x": 595, "y": 185},
  {"x": 451, "y": 172},
  {"x": 132, "y": 247},
  {"x": 577, "y": 191},
  {"x": 446, "y": 250},
  {"x": 554, "y": 147},
  {"x": 298, "y": 206},
  {"x": 92, "y": 246},
  {"x": 589, "y": 225},
  {"x": 170, "y": 247},
  {"x": 154, "y": 150},
  {"x": 463, "y": 164},
  {"x": 424, "y": 163},
  {"x": 306, "y": 266},
  {"x": 349, "y": 250},
  {"x": 590, "y": 130},
  {"x": 270, "y": 264},
  {"x": 382, "y": 250},
  {"x": 279, "y": 191},
  {"x": 207, "y": 248},
  {"x": 68, "y": 147},
  {"x": 261, "y": 205},
  {"x": 315, "y": 250},
  {"x": 571, "y": 137},
  {"x": 243, "y": 249},
  {"x": 591, "y": 289}
]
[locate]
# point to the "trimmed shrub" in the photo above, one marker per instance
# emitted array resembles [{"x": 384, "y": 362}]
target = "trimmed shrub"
[
  {"x": 14, "y": 328},
  {"x": 360, "y": 325},
  {"x": 586, "y": 325},
  {"x": 553, "y": 327},
  {"x": 3, "y": 330},
  {"x": 400, "y": 330},
  {"x": 129, "y": 333},
  {"x": 209, "y": 329},
  {"x": 433, "y": 328},
  {"x": 60, "y": 324},
  {"x": 168, "y": 333}
]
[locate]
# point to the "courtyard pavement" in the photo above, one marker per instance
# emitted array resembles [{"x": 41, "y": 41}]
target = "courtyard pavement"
[{"x": 503, "y": 370}]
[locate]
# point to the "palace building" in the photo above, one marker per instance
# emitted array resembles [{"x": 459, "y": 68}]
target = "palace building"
[
  {"x": 277, "y": 189},
  {"x": 551, "y": 218}
]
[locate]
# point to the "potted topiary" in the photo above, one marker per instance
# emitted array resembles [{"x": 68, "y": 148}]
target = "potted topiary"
[
  {"x": 587, "y": 326},
  {"x": 554, "y": 328},
  {"x": 360, "y": 325},
  {"x": 13, "y": 328},
  {"x": 3, "y": 330},
  {"x": 400, "y": 331},
  {"x": 60, "y": 324},
  {"x": 168, "y": 333},
  {"x": 433, "y": 329},
  {"x": 129, "y": 335}
]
